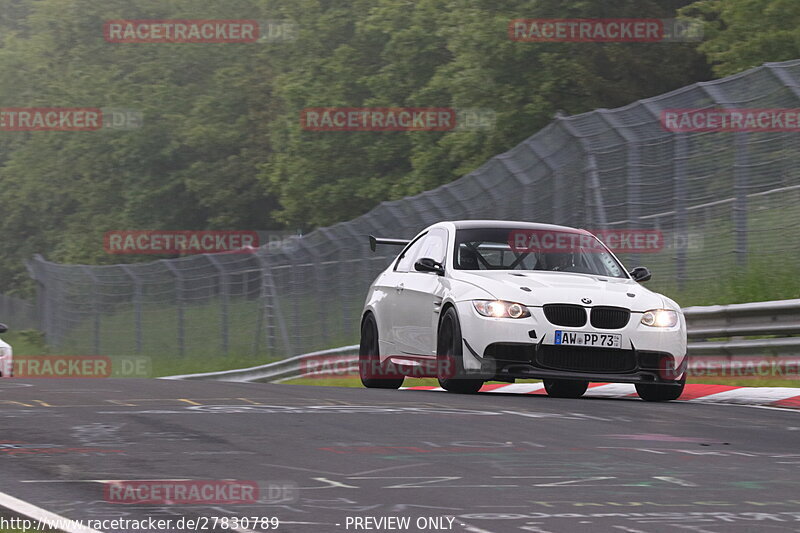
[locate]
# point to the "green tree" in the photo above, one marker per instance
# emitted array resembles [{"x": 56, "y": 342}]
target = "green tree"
[{"x": 741, "y": 34}]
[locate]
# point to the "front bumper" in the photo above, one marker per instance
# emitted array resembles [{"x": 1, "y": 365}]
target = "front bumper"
[{"x": 507, "y": 349}]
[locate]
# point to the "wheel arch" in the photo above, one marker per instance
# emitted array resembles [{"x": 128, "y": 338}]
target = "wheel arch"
[
  {"x": 445, "y": 306},
  {"x": 364, "y": 316}
]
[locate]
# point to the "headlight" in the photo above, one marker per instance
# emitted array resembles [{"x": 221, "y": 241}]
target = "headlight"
[
  {"x": 660, "y": 318},
  {"x": 501, "y": 309}
]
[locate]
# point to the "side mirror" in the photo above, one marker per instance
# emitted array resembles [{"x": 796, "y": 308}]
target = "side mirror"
[
  {"x": 426, "y": 264},
  {"x": 640, "y": 274},
  {"x": 3, "y": 328}
]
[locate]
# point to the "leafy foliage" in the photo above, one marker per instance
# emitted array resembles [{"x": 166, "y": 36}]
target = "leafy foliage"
[
  {"x": 221, "y": 146},
  {"x": 742, "y": 34}
]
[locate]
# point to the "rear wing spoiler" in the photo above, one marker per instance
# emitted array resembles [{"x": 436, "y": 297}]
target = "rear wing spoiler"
[{"x": 375, "y": 241}]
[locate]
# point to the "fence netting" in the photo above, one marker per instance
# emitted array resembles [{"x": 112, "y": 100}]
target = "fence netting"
[{"x": 723, "y": 201}]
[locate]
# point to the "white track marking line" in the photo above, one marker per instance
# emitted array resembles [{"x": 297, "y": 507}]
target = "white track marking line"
[
  {"x": 518, "y": 388},
  {"x": 759, "y": 397},
  {"x": 46, "y": 517},
  {"x": 612, "y": 390},
  {"x": 471, "y": 528},
  {"x": 773, "y": 407},
  {"x": 750, "y": 395}
]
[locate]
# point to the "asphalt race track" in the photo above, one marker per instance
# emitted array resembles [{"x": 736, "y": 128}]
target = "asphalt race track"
[{"x": 326, "y": 456}]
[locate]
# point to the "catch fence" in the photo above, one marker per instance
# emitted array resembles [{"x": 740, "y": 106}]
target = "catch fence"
[{"x": 724, "y": 202}]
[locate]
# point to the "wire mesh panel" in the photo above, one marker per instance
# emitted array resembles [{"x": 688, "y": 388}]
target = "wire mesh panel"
[
  {"x": 18, "y": 313},
  {"x": 721, "y": 201}
]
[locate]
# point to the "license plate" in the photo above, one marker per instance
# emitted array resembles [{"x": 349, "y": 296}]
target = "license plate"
[{"x": 582, "y": 338}]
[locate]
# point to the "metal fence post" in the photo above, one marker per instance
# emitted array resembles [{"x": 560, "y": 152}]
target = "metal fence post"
[
  {"x": 741, "y": 165},
  {"x": 224, "y": 301},
  {"x": 591, "y": 170},
  {"x": 294, "y": 284},
  {"x": 95, "y": 310},
  {"x": 681, "y": 235},
  {"x": 740, "y": 186},
  {"x": 137, "y": 305},
  {"x": 633, "y": 178},
  {"x": 599, "y": 211},
  {"x": 178, "y": 305},
  {"x": 270, "y": 309},
  {"x": 41, "y": 307}
]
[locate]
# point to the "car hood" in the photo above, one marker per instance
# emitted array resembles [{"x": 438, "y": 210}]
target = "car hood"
[{"x": 561, "y": 287}]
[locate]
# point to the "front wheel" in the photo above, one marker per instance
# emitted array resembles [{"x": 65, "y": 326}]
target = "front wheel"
[
  {"x": 565, "y": 388},
  {"x": 449, "y": 357},
  {"x": 374, "y": 374}
]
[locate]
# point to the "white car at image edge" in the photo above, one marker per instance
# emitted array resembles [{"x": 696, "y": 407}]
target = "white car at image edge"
[
  {"x": 6, "y": 356},
  {"x": 475, "y": 301}
]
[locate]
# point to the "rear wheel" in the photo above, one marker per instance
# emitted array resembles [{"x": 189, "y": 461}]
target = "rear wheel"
[
  {"x": 449, "y": 357},
  {"x": 660, "y": 393},
  {"x": 565, "y": 388},
  {"x": 373, "y": 373}
]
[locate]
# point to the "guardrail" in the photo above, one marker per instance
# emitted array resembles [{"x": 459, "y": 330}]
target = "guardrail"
[
  {"x": 712, "y": 332},
  {"x": 717, "y": 329},
  {"x": 287, "y": 368}
]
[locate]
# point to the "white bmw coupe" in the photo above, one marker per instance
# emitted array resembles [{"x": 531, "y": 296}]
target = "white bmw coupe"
[{"x": 475, "y": 301}]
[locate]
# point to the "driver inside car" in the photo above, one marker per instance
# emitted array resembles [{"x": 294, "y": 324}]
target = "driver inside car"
[{"x": 563, "y": 262}]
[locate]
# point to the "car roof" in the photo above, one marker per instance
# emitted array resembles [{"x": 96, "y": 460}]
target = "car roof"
[{"x": 504, "y": 224}]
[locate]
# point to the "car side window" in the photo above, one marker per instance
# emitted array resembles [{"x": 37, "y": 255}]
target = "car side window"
[
  {"x": 405, "y": 263},
  {"x": 434, "y": 246}
]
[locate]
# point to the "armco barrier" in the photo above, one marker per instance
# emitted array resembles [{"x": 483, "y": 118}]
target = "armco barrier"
[
  {"x": 774, "y": 321},
  {"x": 287, "y": 368},
  {"x": 718, "y": 329}
]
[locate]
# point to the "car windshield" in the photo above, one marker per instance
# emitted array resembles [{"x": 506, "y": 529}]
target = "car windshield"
[{"x": 534, "y": 249}]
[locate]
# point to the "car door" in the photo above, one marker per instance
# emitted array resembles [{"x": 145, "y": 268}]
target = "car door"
[
  {"x": 420, "y": 297},
  {"x": 392, "y": 324},
  {"x": 382, "y": 300}
]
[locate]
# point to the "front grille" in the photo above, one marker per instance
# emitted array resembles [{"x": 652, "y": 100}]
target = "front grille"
[
  {"x": 573, "y": 316},
  {"x": 584, "y": 359},
  {"x": 610, "y": 317}
]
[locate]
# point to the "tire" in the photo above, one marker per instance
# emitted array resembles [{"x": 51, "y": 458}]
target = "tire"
[
  {"x": 373, "y": 373},
  {"x": 660, "y": 393},
  {"x": 565, "y": 388},
  {"x": 449, "y": 357}
]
